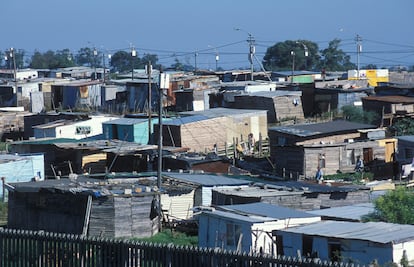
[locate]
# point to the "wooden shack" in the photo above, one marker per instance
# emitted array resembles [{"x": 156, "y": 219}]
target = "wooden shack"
[
  {"x": 280, "y": 105},
  {"x": 390, "y": 107},
  {"x": 84, "y": 206},
  {"x": 298, "y": 150},
  {"x": 200, "y": 131}
]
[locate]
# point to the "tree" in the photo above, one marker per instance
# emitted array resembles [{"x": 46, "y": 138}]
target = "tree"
[
  {"x": 85, "y": 57},
  {"x": 370, "y": 67},
  {"x": 279, "y": 56},
  {"x": 51, "y": 60},
  {"x": 18, "y": 54},
  {"x": 404, "y": 126},
  {"x": 396, "y": 206},
  {"x": 121, "y": 61},
  {"x": 357, "y": 114},
  {"x": 334, "y": 58}
]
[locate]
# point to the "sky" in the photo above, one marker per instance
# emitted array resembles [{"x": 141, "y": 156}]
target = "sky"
[{"x": 193, "y": 32}]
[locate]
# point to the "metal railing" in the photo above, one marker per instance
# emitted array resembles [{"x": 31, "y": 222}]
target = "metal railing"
[{"x": 29, "y": 248}]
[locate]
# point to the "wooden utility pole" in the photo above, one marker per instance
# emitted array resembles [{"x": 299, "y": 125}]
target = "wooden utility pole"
[{"x": 149, "y": 72}]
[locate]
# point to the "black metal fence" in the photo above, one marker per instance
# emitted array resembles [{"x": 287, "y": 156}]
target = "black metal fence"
[{"x": 28, "y": 248}]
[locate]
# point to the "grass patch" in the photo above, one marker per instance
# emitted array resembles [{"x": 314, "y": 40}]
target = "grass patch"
[
  {"x": 355, "y": 178},
  {"x": 172, "y": 237},
  {"x": 3, "y": 213}
]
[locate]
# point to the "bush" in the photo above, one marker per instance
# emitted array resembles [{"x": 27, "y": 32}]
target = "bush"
[{"x": 168, "y": 236}]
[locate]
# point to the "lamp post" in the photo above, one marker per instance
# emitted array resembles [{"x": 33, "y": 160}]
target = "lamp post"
[
  {"x": 217, "y": 57},
  {"x": 292, "y": 53},
  {"x": 305, "y": 48},
  {"x": 133, "y": 55},
  {"x": 358, "y": 40},
  {"x": 95, "y": 53},
  {"x": 252, "y": 50},
  {"x": 12, "y": 56}
]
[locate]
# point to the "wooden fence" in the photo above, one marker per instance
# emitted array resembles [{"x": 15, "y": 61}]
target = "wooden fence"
[{"x": 28, "y": 248}]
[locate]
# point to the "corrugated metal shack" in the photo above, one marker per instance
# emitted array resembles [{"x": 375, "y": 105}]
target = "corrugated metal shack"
[
  {"x": 81, "y": 205},
  {"x": 361, "y": 242},
  {"x": 279, "y": 104}
]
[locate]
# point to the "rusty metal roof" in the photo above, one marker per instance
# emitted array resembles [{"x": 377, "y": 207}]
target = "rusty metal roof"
[{"x": 391, "y": 99}]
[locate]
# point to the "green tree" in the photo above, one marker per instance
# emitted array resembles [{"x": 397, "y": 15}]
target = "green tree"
[
  {"x": 404, "y": 126},
  {"x": 52, "y": 60},
  {"x": 86, "y": 57},
  {"x": 357, "y": 114},
  {"x": 18, "y": 54},
  {"x": 334, "y": 58},
  {"x": 279, "y": 56},
  {"x": 121, "y": 61},
  {"x": 396, "y": 206}
]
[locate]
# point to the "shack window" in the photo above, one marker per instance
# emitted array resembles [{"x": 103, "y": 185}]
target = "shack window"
[
  {"x": 233, "y": 234},
  {"x": 83, "y": 129},
  {"x": 350, "y": 157},
  {"x": 307, "y": 247}
]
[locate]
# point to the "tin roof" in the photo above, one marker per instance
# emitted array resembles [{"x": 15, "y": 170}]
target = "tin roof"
[
  {"x": 207, "y": 179},
  {"x": 126, "y": 121},
  {"x": 274, "y": 93},
  {"x": 378, "y": 232},
  {"x": 391, "y": 99},
  {"x": 224, "y": 112},
  {"x": 352, "y": 212},
  {"x": 267, "y": 210},
  {"x": 314, "y": 129},
  {"x": 185, "y": 120},
  {"x": 407, "y": 138},
  {"x": 238, "y": 217}
]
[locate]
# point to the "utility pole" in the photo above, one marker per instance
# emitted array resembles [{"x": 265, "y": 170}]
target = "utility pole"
[
  {"x": 195, "y": 62},
  {"x": 13, "y": 55},
  {"x": 149, "y": 72},
  {"x": 159, "y": 168},
  {"x": 252, "y": 51},
  {"x": 95, "y": 53},
  {"x": 358, "y": 40},
  {"x": 104, "y": 68},
  {"x": 292, "y": 53}
]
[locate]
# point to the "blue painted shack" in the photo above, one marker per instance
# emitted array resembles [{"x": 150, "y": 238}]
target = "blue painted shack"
[
  {"x": 353, "y": 242},
  {"x": 15, "y": 168},
  {"x": 128, "y": 129}
]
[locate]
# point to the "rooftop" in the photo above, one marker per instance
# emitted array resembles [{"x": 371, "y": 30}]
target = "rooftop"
[
  {"x": 315, "y": 129},
  {"x": 206, "y": 179},
  {"x": 378, "y": 232}
]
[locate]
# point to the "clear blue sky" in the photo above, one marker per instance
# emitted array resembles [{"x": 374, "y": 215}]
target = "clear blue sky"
[{"x": 182, "y": 27}]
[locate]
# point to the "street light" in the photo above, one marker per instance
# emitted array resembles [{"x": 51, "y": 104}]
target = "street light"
[
  {"x": 252, "y": 50},
  {"x": 95, "y": 53},
  {"x": 306, "y": 53},
  {"x": 133, "y": 54},
  {"x": 217, "y": 55}
]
